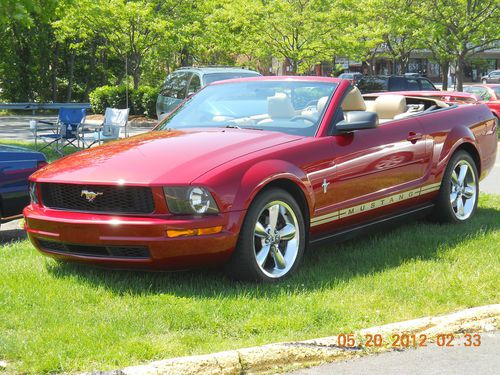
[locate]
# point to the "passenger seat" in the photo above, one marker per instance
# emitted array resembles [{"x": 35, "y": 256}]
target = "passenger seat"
[
  {"x": 354, "y": 101},
  {"x": 279, "y": 107},
  {"x": 388, "y": 107}
]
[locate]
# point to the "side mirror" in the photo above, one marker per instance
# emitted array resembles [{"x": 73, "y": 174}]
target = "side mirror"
[{"x": 358, "y": 120}]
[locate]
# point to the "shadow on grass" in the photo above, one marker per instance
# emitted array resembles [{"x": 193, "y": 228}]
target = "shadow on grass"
[{"x": 323, "y": 267}]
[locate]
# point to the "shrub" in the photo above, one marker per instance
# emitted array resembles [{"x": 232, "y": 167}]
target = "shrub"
[{"x": 141, "y": 101}]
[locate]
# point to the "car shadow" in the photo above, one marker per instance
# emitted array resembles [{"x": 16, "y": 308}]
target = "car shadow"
[{"x": 325, "y": 266}]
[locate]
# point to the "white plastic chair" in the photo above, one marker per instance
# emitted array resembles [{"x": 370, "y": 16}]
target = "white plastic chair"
[{"x": 113, "y": 126}]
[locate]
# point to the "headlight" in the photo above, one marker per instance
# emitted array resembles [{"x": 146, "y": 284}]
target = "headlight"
[
  {"x": 190, "y": 200},
  {"x": 32, "y": 190}
]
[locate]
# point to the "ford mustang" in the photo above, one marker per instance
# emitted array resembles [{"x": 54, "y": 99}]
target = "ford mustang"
[{"x": 247, "y": 173}]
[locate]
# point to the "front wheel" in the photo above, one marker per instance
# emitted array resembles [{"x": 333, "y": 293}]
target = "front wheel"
[
  {"x": 272, "y": 239},
  {"x": 458, "y": 196},
  {"x": 485, "y": 81}
]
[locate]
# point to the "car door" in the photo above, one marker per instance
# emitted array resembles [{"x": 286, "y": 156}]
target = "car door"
[
  {"x": 494, "y": 77},
  {"x": 173, "y": 92},
  {"x": 375, "y": 172},
  {"x": 426, "y": 85},
  {"x": 194, "y": 84}
]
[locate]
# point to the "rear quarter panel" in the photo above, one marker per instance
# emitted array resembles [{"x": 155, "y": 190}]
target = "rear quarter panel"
[{"x": 448, "y": 129}]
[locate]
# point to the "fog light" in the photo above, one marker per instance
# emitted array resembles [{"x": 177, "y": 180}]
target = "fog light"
[{"x": 193, "y": 232}]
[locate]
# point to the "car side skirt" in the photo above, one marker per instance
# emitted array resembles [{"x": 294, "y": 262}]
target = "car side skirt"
[{"x": 390, "y": 221}]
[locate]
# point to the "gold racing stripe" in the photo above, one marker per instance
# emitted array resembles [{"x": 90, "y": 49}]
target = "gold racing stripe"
[{"x": 368, "y": 206}]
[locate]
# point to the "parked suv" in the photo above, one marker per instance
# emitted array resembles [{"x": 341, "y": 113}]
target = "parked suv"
[
  {"x": 353, "y": 77},
  {"x": 491, "y": 77},
  {"x": 186, "y": 81},
  {"x": 371, "y": 84}
]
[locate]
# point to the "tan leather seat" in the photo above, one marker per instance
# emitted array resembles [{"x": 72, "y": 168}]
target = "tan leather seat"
[
  {"x": 321, "y": 104},
  {"x": 279, "y": 107},
  {"x": 354, "y": 101},
  {"x": 389, "y": 106}
]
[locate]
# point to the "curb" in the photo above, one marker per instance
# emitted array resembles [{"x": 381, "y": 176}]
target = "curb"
[{"x": 288, "y": 355}]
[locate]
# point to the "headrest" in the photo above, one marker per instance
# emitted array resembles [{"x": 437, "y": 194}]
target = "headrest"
[
  {"x": 353, "y": 101},
  {"x": 388, "y": 106},
  {"x": 280, "y": 106},
  {"x": 370, "y": 105},
  {"x": 321, "y": 104}
]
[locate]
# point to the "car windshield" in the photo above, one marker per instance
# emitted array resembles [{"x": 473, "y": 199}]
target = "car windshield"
[
  {"x": 496, "y": 89},
  {"x": 214, "y": 77},
  {"x": 287, "y": 106}
]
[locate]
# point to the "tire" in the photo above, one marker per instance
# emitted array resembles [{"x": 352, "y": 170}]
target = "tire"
[
  {"x": 459, "y": 192},
  {"x": 485, "y": 81},
  {"x": 267, "y": 252}
]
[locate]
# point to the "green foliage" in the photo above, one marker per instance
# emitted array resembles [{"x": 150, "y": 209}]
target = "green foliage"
[
  {"x": 141, "y": 101},
  {"x": 62, "y": 50}
]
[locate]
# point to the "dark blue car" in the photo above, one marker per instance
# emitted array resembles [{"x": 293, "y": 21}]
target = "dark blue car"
[{"x": 16, "y": 164}]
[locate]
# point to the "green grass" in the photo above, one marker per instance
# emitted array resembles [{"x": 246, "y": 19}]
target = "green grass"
[
  {"x": 50, "y": 154},
  {"x": 65, "y": 318}
]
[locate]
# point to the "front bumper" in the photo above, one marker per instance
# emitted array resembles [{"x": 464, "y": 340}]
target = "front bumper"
[{"x": 86, "y": 230}]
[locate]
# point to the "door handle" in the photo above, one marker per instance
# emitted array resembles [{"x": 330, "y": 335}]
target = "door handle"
[{"x": 414, "y": 137}]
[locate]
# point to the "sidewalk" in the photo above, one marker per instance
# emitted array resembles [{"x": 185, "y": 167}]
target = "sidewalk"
[{"x": 16, "y": 128}]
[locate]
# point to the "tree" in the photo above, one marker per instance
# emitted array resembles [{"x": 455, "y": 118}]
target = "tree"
[
  {"x": 25, "y": 44},
  {"x": 300, "y": 32},
  {"x": 465, "y": 27},
  {"x": 130, "y": 29}
]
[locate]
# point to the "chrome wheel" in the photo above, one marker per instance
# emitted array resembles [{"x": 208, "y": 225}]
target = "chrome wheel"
[
  {"x": 463, "y": 190},
  {"x": 276, "y": 239}
]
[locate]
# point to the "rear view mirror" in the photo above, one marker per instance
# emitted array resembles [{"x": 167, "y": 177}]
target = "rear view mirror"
[{"x": 358, "y": 120}]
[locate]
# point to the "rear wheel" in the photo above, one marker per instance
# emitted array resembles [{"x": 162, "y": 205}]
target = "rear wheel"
[
  {"x": 458, "y": 195},
  {"x": 272, "y": 239}
]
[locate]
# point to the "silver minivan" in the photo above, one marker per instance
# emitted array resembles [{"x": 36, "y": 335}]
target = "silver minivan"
[{"x": 186, "y": 81}]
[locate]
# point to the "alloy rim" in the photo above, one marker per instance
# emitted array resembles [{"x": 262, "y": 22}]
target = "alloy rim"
[
  {"x": 463, "y": 190},
  {"x": 276, "y": 239}
]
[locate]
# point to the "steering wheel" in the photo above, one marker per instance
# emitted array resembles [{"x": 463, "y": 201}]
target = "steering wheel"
[
  {"x": 303, "y": 117},
  {"x": 431, "y": 108}
]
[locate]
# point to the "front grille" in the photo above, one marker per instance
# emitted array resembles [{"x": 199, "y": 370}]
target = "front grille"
[
  {"x": 97, "y": 198},
  {"x": 128, "y": 252}
]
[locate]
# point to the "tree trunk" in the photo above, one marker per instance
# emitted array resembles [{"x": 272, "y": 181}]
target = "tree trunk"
[
  {"x": 185, "y": 57},
  {"x": 71, "y": 75},
  {"x": 445, "y": 67},
  {"x": 90, "y": 74},
  {"x": 53, "y": 77},
  {"x": 460, "y": 72},
  {"x": 23, "y": 52}
]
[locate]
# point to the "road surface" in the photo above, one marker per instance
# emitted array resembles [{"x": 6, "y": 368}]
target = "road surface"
[{"x": 431, "y": 360}]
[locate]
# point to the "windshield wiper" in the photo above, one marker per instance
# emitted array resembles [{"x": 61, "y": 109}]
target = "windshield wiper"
[{"x": 232, "y": 126}]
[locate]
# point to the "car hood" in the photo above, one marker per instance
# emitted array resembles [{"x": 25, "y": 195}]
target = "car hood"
[
  {"x": 11, "y": 152},
  {"x": 160, "y": 157}
]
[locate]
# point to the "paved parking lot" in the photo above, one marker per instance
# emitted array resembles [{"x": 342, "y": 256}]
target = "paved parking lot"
[{"x": 17, "y": 127}]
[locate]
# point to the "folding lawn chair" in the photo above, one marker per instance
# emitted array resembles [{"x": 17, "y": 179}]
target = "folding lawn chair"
[
  {"x": 114, "y": 124},
  {"x": 63, "y": 132}
]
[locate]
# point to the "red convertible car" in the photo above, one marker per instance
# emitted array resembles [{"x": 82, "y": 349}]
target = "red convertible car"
[{"x": 248, "y": 172}]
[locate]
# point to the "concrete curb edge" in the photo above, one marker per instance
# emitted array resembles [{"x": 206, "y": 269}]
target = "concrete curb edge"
[{"x": 288, "y": 355}]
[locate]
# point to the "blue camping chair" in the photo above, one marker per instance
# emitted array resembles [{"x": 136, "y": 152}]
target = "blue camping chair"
[{"x": 62, "y": 133}]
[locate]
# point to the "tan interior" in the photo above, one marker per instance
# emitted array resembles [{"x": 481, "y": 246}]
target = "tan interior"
[
  {"x": 354, "y": 101},
  {"x": 389, "y": 106},
  {"x": 280, "y": 106}
]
